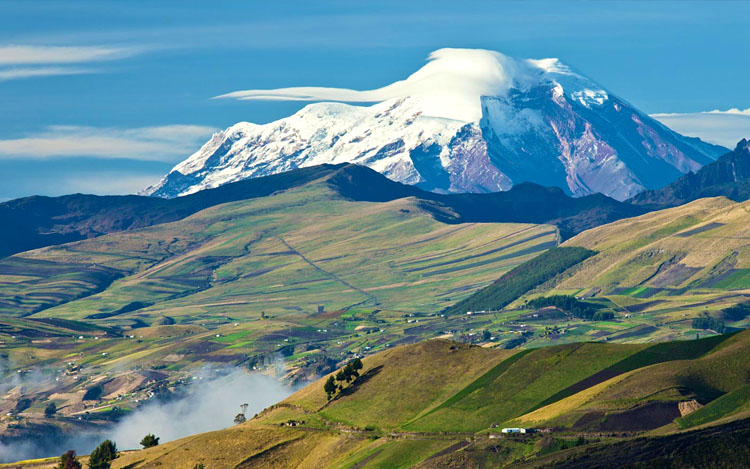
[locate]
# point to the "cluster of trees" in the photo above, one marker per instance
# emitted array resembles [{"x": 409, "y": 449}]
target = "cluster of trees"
[
  {"x": 707, "y": 322},
  {"x": 578, "y": 308},
  {"x": 521, "y": 279},
  {"x": 103, "y": 455},
  {"x": 50, "y": 410},
  {"x": 346, "y": 375}
]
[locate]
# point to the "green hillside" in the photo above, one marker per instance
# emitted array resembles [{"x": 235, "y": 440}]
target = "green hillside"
[
  {"x": 669, "y": 275},
  {"x": 240, "y": 284},
  {"x": 521, "y": 279},
  {"x": 438, "y": 402}
]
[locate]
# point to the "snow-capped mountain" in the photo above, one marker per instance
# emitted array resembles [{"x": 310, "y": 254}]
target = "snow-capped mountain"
[{"x": 468, "y": 121}]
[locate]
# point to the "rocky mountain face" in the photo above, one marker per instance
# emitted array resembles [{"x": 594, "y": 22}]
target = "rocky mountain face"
[
  {"x": 485, "y": 123},
  {"x": 728, "y": 176}
]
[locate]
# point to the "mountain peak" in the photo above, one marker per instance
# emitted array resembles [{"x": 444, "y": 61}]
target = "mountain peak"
[
  {"x": 743, "y": 144},
  {"x": 469, "y": 120}
]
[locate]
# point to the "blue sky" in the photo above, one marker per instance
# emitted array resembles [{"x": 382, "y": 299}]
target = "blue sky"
[{"x": 105, "y": 97}]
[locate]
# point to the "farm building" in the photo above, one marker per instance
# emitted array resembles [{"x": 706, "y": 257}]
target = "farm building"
[{"x": 513, "y": 430}]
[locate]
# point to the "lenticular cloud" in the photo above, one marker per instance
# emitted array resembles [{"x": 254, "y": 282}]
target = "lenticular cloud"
[{"x": 450, "y": 84}]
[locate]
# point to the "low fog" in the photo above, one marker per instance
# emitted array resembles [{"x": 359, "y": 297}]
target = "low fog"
[{"x": 210, "y": 402}]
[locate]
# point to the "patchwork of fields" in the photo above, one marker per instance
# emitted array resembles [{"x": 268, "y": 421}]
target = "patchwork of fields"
[
  {"x": 661, "y": 270},
  {"x": 315, "y": 279},
  {"x": 240, "y": 284}
]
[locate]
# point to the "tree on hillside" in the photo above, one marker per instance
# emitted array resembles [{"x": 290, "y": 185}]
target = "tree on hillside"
[
  {"x": 69, "y": 461},
  {"x": 357, "y": 363},
  {"x": 150, "y": 441},
  {"x": 350, "y": 371},
  {"x": 50, "y": 410},
  {"x": 103, "y": 455},
  {"x": 240, "y": 418},
  {"x": 93, "y": 393},
  {"x": 330, "y": 387}
]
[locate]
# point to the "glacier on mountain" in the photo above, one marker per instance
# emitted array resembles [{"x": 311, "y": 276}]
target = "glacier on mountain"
[{"x": 468, "y": 121}]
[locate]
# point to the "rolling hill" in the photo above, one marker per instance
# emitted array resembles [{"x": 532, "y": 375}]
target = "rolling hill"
[
  {"x": 664, "y": 275},
  {"x": 306, "y": 275},
  {"x": 439, "y": 403},
  {"x": 35, "y": 222}
]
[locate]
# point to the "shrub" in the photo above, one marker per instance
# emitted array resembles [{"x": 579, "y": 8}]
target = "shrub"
[
  {"x": 69, "y": 461},
  {"x": 22, "y": 405},
  {"x": 50, "y": 410},
  {"x": 93, "y": 393},
  {"x": 150, "y": 441},
  {"x": 103, "y": 455}
]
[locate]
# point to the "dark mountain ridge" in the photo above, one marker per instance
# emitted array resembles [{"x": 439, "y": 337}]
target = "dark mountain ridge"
[
  {"x": 35, "y": 222},
  {"x": 728, "y": 176}
]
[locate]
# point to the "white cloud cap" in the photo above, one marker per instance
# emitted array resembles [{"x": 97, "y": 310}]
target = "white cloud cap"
[{"x": 450, "y": 85}]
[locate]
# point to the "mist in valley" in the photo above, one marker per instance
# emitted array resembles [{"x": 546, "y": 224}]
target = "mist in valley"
[{"x": 209, "y": 401}]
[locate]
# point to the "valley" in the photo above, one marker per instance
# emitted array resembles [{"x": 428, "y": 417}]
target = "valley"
[{"x": 312, "y": 276}]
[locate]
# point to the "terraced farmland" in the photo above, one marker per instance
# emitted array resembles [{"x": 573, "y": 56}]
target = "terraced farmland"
[{"x": 661, "y": 270}]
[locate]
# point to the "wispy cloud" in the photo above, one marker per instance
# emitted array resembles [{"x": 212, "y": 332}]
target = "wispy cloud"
[
  {"x": 25, "y": 72},
  {"x": 24, "y": 61},
  {"x": 161, "y": 143},
  {"x": 35, "y": 55},
  {"x": 720, "y": 127}
]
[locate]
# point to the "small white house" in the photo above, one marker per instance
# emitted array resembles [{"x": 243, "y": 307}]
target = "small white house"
[{"x": 513, "y": 430}]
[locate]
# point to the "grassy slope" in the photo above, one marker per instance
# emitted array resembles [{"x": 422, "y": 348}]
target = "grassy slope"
[
  {"x": 386, "y": 255},
  {"x": 521, "y": 279},
  {"x": 631, "y": 250},
  {"x": 413, "y": 388},
  {"x": 212, "y": 274},
  {"x": 660, "y": 270}
]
